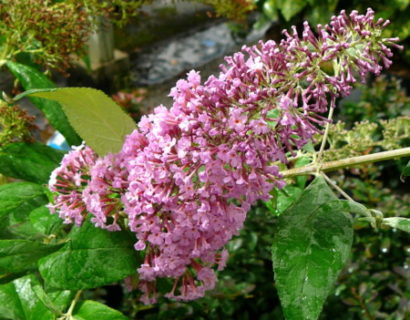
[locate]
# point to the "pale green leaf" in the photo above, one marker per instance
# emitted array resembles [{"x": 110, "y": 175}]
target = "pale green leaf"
[
  {"x": 402, "y": 224},
  {"x": 98, "y": 120},
  {"x": 91, "y": 310}
]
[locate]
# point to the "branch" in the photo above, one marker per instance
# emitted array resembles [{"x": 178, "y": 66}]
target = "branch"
[
  {"x": 324, "y": 138},
  {"x": 346, "y": 163},
  {"x": 335, "y": 186}
]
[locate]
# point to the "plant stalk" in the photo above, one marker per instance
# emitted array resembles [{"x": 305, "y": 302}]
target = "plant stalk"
[
  {"x": 324, "y": 138},
  {"x": 346, "y": 163},
  {"x": 336, "y": 187},
  {"x": 69, "y": 314}
]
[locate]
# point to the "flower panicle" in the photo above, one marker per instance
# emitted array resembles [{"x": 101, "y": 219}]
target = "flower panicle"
[
  {"x": 185, "y": 179},
  {"x": 68, "y": 182}
]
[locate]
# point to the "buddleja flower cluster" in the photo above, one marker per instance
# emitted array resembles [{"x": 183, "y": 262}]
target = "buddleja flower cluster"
[{"x": 186, "y": 177}]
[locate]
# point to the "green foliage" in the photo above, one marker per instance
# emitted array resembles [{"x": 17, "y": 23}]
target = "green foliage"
[
  {"x": 30, "y": 78},
  {"x": 90, "y": 310},
  {"x": 365, "y": 136},
  {"x": 19, "y": 255},
  {"x": 232, "y": 9},
  {"x": 19, "y": 198},
  {"x": 396, "y": 132},
  {"x": 92, "y": 257},
  {"x": 27, "y": 229},
  {"x": 283, "y": 198},
  {"x": 387, "y": 107},
  {"x": 374, "y": 284},
  {"x": 310, "y": 248},
  {"x": 317, "y": 11},
  {"x": 396, "y": 11},
  {"x": 47, "y": 30},
  {"x": 25, "y": 299},
  {"x": 398, "y": 223},
  {"x": 44, "y": 222},
  {"x": 50, "y": 32},
  {"x": 320, "y": 11},
  {"x": 55, "y": 301},
  {"x": 17, "y": 203},
  {"x": 15, "y": 125},
  {"x": 269, "y": 10},
  {"x": 98, "y": 120},
  {"x": 118, "y": 11},
  {"x": 30, "y": 162},
  {"x": 20, "y": 302},
  {"x": 290, "y": 8},
  {"x": 382, "y": 99},
  {"x": 406, "y": 170}
]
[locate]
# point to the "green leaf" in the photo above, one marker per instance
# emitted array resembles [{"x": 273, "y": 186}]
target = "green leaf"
[
  {"x": 358, "y": 208},
  {"x": 301, "y": 162},
  {"x": 311, "y": 246},
  {"x": 290, "y": 8},
  {"x": 402, "y": 224},
  {"x": 10, "y": 306},
  {"x": 93, "y": 257},
  {"x": 287, "y": 196},
  {"x": 6, "y": 278},
  {"x": 321, "y": 11},
  {"x": 20, "y": 255},
  {"x": 17, "y": 200},
  {"x": 26, "y": 58},
  {"x": 20, "y": 302},
  {"x": 270, "y": 10},
  {"x": 56, "y": 302},
  {"x": 406, "y": 170},
  {"x": 400, "y": 4},
  {"x": 20, "y": 198},
  {"x": 44, "y": 222},
  {"x": 31, "y": 162},
  {"x": 283, "y": 198},
  {"x": 272, "y": 203},
  {"x": 90, "y": 310},
  {"x": 98, "y": 120},
  {"x": 61, "y": 299},
  {"x": 31, "y": 78}
]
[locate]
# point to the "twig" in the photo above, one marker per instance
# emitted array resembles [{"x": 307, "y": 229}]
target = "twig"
[
  {"x": 325, "y": 135},
  {"x": 346, "y": 163},
  {"x": 69, "y": 313},
  {"x": 335, "y": 186}
]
